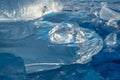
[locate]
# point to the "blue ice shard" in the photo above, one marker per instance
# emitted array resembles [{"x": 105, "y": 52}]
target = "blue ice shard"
[{"x": 53, "y": 45}]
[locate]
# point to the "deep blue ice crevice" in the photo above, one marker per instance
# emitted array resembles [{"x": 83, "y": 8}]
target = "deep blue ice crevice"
[{"x": 11, "y": 67}]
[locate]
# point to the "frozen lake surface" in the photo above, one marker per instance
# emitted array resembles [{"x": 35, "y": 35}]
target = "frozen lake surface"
[{"x": 65, "y": 40}]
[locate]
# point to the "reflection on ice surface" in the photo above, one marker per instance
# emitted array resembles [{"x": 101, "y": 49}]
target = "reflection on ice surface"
[{"x": 27, "y": 9}]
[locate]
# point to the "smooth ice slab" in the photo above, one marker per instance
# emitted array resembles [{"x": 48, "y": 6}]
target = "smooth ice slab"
[{"x": 54, "y": 45}]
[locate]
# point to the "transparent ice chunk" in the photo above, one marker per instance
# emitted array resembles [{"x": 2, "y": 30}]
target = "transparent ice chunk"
[
  {"x": 73, "y": 35},
  {"x": 11, "y": 67},
  {"x": 66, "y": 33},
  {"x": 111, "y": 39},
  {"x": 111, "y": 42},
  {"x": 108, "y": 14},
  {"x": 27, "y": 9}
]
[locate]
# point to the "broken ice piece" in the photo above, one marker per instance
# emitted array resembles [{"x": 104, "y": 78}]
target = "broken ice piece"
[
  {"x": 111, "y": 40},
  {"x": 108, "y": 14}
]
